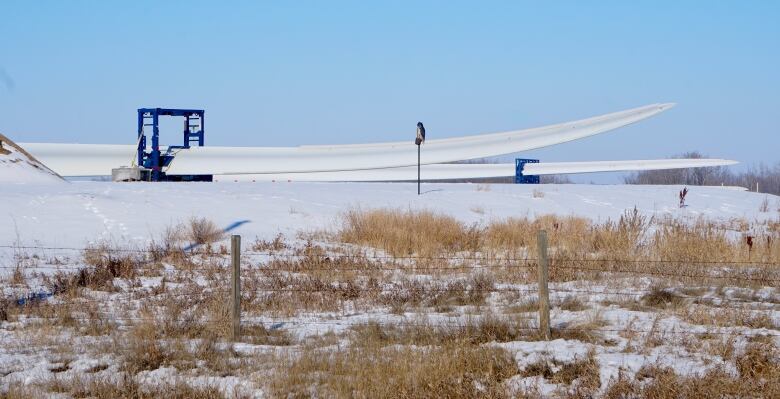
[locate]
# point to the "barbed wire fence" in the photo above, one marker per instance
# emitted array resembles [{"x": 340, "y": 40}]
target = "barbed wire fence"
[{"x": 277, "y": 261}]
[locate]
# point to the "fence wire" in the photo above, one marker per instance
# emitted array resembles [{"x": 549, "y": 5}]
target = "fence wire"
[{"x": 154, "y": 260}]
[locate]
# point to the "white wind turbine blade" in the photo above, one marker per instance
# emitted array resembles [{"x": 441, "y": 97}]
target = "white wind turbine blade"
[
  {"x": 475, "y": 171},
  {"x": 98, "y": 159}
]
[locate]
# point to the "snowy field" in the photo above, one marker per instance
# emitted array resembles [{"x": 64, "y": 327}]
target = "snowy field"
[
  {"x": 162, "y": 323},
  {"x": 78, "y": 213}
]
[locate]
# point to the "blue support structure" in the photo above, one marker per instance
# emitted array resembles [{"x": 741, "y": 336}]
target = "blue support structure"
[
  {"x": 520, "y": 178},
  {"x": 155, "y": 160}
]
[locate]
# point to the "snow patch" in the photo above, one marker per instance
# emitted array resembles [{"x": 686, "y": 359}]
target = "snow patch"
[{"x": 18, "y": 166}]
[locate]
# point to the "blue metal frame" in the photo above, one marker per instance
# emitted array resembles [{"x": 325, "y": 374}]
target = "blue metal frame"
[
  {"x": 520, "y": 178},
  {"x": 155, "y": 159}
]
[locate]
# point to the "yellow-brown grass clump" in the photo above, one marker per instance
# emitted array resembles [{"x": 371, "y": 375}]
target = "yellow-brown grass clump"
[
  {"x": 579, "y": 248},
  {"x": 403, "y": 233},
  {"x": 373, "y": 371}
]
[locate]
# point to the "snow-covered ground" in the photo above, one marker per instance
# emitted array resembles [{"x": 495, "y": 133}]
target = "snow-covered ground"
[
  {"x": 17, "y": 166},
  {"x": 125, "y": 213},
  {"x": 130, "y": 214}
]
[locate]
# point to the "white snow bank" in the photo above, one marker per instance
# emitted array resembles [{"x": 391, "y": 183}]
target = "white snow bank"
[
  {"x": 132, "y": 213},
  {"x": 18, "y": 166}
]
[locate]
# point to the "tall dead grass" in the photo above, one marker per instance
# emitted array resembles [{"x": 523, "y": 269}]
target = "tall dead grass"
[
  {"x": 376, "y": 371},
  {"x": 579, "y": 248},
  {"x": 403, "y": 233}
]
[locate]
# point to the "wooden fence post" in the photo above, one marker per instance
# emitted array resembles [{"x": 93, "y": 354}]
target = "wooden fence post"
[
  {"x": 235, "y": 308},
  {"x": 544, "y": 293}
]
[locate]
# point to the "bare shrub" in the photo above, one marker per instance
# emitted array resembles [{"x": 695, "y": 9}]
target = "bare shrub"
[
  {"x": 277, "y": 244},
  {"x": 108, "y": 264},
  {"x": 202, "y": 231},
  {"x": 538, "y": 193}
]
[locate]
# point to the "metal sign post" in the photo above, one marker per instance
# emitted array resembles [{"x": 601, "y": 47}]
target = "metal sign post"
[
  {"x": 418, "y": 170},
  {"x": 418, "y": 141}
]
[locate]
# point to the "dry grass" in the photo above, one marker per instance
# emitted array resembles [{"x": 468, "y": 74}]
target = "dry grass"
[
  {"x": 442, "y": 296},
  {"x": 287, "y": 294},
  {"x": 474, "y": 332},
  {"x": 182, "y": 321},
  {"x": 145, "y": 347},
  {"x": 122, "y": 386},
  {"x": 570, "y": 303},
  {"x": 580, "y": 248},
  {"x": 259, "y": 335},
  {"x": 583, "y": 330},
  {"x": 316, "y": 282},
  {"x": 203, "y": 231},
  {"x": 659, "y": 297},
  {"x": 144, "y": 350},
  {"x": 727, "y": 317},
  {"x": 759, "y": 376},
  {"x": 585, "y": 372},
  {"x": 479, "y": 330},
  {"x": 106, "y": 265},
  {"x": 403, "y": 233},
  {"x": 524, "y": 306},
  {"x": 275, "y": 245},
  {"x": 374, "y": 371},
  {"x": 197, "y": 232},
  {"x": 515, "y": 234}
]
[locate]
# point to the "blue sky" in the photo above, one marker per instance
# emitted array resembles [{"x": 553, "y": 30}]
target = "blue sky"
[{"x": 290, "y": 73}]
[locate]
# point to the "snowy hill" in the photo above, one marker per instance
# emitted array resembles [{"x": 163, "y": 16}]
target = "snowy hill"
[
  {"x": 126, "y": 213},
  {"x": 18, "y": 166}
]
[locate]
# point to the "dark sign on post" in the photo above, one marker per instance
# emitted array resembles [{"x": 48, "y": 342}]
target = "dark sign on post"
[{"x": 420, "y": 134}]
